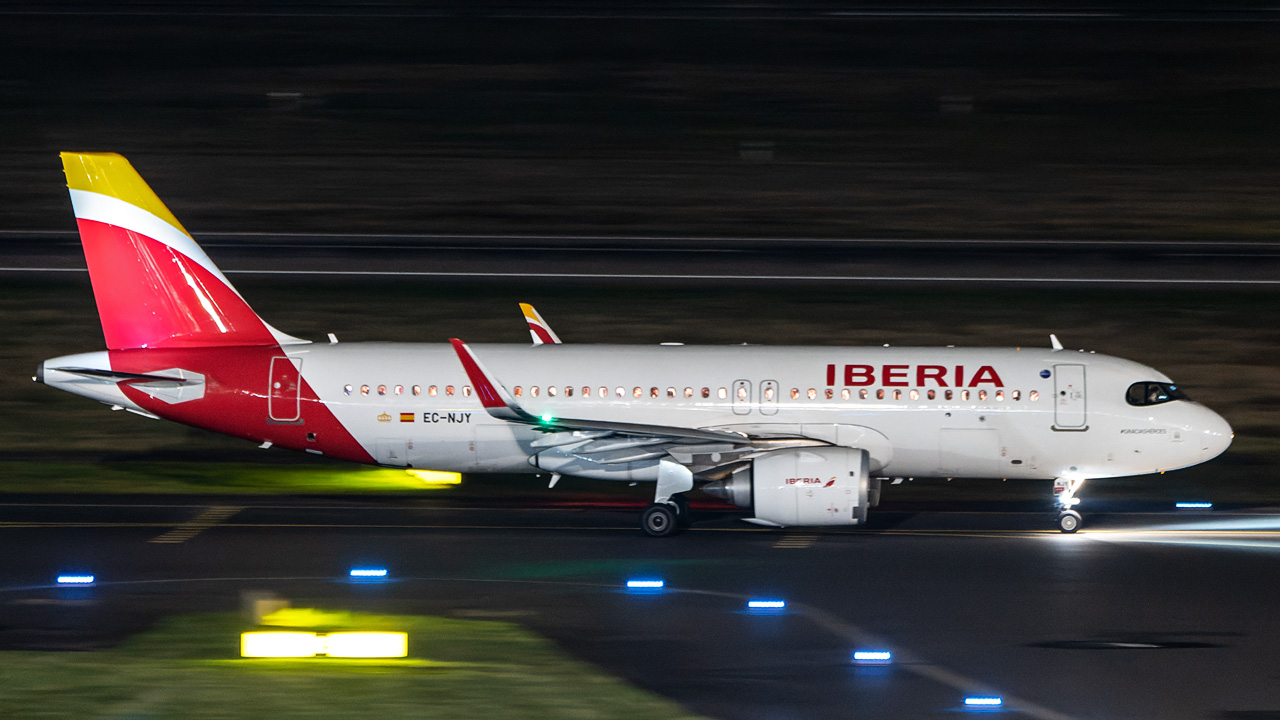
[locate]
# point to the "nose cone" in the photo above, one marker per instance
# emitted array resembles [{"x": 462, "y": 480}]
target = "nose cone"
[{"x": 1214, "y": 434}]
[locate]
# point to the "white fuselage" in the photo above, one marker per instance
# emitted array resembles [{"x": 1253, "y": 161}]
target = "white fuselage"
[{"x": 1036, "y": 414}]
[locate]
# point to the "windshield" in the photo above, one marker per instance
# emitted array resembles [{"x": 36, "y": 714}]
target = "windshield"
[{"x": 1153, "y": 393}]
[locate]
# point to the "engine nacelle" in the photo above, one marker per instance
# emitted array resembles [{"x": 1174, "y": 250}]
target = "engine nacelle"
[{"x": 802, "y": 486}]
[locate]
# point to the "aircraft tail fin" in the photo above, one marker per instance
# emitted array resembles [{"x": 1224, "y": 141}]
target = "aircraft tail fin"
[{"x": 154, "y": 286}]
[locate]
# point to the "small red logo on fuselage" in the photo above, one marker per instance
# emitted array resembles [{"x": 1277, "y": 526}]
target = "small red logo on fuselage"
[{"x": 902, "y": 375}]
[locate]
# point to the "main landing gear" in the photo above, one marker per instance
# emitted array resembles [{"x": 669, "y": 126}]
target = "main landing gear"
[
  {"x": 669, "y": 511},
  {"x": 1064, "y": 492}
]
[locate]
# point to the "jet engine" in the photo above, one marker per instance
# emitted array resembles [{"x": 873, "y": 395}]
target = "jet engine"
[{"x": 801, "y": 486}]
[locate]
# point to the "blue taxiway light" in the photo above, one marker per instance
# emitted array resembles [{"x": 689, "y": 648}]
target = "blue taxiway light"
[
  {"x": 368, "y": 572},
  {"x": 75, "y": 579},
  {"x": 646, "y": 584},
  {"x": 767, "y": 604},
  {"x": 983, "y": 702},
  {"x": 872, "y": 657},
  {"x": 1199, "y": 505}
]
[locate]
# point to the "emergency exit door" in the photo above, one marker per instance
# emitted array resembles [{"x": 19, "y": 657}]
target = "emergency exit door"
[
  {"x": 741, "y": 397},
  {"x": 283, "y": 394},
  {"x": 1069, "y": 398}
]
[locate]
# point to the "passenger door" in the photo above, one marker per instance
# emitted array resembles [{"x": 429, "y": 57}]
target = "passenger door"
[
  {"x": 284, "y": 404},
  {"x": 1069, "y": 411}
]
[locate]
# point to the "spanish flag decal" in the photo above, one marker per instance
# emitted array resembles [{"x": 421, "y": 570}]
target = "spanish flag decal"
[{"x": 406, "y": 417}]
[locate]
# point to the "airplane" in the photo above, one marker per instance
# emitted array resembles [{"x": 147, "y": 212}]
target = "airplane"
[{"x": 798, "y": 436}]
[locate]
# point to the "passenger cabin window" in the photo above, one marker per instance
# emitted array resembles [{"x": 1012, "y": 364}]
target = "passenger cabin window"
[
  {"x": 432, "y": 391},
  {"x": 622, "y": 392},
  {"x": 533, "y": 391},
  {"x": 706, "y": 393},
  {"x": 517, "y": 391},
  {"x": 653, "y": 393},
  {"x": 346, "y": 390},
  {"x": 568, "y": 391},
  {"x": 688, "y": 392},
  {"x": 933, "y": 394},
  {"x": 722, "y": 393},
  {"x": 586, "y": 391},
  {"x": 1153, "y": 393},
  {"x": 795, "y": 393},
  {"x": 448, "y": 390},
  {"x": 417, "y": 390},
  {"x": 466, "y": 390},
  {"x": 671, "y": 392},
  {"x": 1016, "y": 395},
  {"x": 364, "y": 389},
  {"x": 551, "y": 391},
  {"x": 1034, "y": 395},
  {"x": 844, "y": 394},
  {"x": 399, "y": 389},
  {"x": 862, "y": 394}
]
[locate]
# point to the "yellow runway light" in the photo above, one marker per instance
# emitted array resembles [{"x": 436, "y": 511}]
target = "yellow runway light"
[
  {"x": 436, "y": 477},
  {"x": 367, "y": 644},
  {"x": 290, "y": 644},
  {"x": 278, "y": 644}
]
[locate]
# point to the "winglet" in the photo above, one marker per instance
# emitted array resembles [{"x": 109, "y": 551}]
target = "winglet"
[
  {"x": 493, "y": 396},
  {"x": 538, "y": 328},
  {"x": 1053, "y": 340}
]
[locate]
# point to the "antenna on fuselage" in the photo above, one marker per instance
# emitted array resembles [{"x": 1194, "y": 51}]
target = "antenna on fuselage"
[{"x": 1053, "y": 341}]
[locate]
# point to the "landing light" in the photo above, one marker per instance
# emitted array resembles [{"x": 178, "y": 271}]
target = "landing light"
[
  {"x": 292, "y": 644},
  {"x": 75, "y": 579},
  {"x": 983, "y": 701},
  {"x": 368, "y": 572},
  {"x": 767, "y": 604},
  {"x": 1199, "y": 505},
  {"x": 547, "y": 417},
  {"x": 872, "y": 657}
]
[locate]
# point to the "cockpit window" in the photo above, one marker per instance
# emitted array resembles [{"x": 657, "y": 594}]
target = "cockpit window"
[{"x": 1153, "y": 393}]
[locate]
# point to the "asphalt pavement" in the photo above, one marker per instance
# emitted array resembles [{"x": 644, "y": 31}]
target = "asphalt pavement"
[{"x": 1156, "y": 614}]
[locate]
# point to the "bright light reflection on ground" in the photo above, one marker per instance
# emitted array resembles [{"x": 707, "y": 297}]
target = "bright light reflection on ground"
[{"x": 1260, "y": 532}]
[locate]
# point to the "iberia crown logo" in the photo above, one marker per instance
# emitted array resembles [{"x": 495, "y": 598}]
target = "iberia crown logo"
[{"x": 384, "y": 418}]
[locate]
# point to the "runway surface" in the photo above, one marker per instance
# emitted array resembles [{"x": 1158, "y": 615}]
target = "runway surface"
[
  {"x": 668, "y": 260},
  {"x": 1141, "y": 615}
]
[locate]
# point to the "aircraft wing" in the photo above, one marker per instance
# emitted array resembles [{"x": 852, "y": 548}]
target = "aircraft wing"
[
  {"x": 499, "y": 403},
  {"x": 538, "y": 328}
]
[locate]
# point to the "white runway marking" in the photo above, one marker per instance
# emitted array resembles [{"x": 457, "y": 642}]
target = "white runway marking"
[{"x": 763, "y": 278}]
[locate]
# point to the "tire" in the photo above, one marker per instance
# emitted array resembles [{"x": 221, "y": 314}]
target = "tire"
[
  {"x": 1069, "y": 521},
  {"x": 659, "y": 520}
]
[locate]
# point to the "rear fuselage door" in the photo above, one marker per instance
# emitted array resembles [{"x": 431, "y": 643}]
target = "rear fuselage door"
[
  {"x": 283, "y": 403},
  {"x": 1069, "y": 398}
]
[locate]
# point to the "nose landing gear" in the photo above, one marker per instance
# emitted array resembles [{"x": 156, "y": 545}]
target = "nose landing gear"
[{"x": 1064, "y": 492}]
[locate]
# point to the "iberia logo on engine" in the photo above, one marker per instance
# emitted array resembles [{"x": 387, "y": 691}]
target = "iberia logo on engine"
[{"x": 810, "y": 481}]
